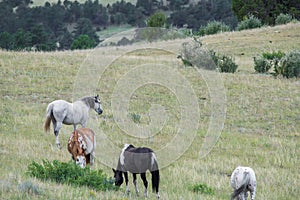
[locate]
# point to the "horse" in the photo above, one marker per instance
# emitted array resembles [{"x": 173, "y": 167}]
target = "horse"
[
  {"x": 242, "y": 181},
  {"x": 81, "y": 146},
  {"x": 62, "y": 112},
  {"x": 137, "y": 161}
]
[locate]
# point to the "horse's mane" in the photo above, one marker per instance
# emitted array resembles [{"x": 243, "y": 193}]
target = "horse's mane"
[{"x": 89, "y": 101}]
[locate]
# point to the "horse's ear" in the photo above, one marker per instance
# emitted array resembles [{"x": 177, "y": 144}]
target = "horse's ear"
[{"x": 113, "y": 170}]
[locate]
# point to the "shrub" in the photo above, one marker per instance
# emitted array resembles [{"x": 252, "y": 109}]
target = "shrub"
[
  {"x": 192, "y": 52},
  {"x": 213, "y": 27},
  {"x": 158, "y": 19},
  {"x": 290, "y": 64},
  {"x": 69, "y": 173},
  {"x": 202, "y": 188},
  {"x": 226, "y": 64},
  {"x": 83, "y": 42},
  {"x": 283, "y": 19},
  {"x": 249, "y": 23},
  {"x": 268, "y": 60},
  {"x": 261, "y": 65}
]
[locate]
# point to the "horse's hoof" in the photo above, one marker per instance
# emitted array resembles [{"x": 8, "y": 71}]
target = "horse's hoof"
[{"x": 58, "y": 146}]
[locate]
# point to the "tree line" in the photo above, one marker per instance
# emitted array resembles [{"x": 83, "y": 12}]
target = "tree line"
[{"x": 71, "y": 25}]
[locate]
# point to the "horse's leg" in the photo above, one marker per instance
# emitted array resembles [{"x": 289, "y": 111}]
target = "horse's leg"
[
  {"x": 74, "y": 127},
  {"x": 126, "y": 182},
  {"x": 135, "y": 184},
  {"x": 92, "y": 158},
  {"x": 143, "y": 176},
  {"x": 57, "y": 127},
  {"x": 252, "y": 194}
]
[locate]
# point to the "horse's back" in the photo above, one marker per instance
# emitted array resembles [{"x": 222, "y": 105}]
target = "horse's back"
[
  {"x": 238, "y": 175},
  {"x": 89, "y": 137}
]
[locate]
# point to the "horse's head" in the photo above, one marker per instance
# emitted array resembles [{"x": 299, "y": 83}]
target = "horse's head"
[
  {"x": 76, "y": 150},
  {"x": 98, "y": 106},
  {"x": 118, "y": 177},
  {"x": 80, "y": 161}
]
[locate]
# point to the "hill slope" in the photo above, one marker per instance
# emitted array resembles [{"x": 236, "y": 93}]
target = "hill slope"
[{"x": 261, "y": 128}]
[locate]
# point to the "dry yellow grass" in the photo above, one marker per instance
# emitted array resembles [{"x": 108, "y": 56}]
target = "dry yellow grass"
[{"x": 261, "y": 129}]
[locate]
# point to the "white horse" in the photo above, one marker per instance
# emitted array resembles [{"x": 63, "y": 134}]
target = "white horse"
[
  {"x": 243, "y": 181},
  {"x": 81, "y": 146},
  {"x": 62, "y": 112}
]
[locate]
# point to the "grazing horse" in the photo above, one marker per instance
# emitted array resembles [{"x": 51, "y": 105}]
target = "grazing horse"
[
  {"x": 137, "y": 161},
  {"x": 243, "y": 181},
  {"x": 81, "y": 145},
  {"x": 62, "y": 112}
]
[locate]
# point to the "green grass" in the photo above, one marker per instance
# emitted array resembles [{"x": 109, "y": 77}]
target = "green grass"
[{"x": 261, "y": 128}]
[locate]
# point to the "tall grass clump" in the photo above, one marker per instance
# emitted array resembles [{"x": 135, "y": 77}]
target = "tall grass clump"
[
  {"x": 250, "y": 22},
  {"x": 283, "y": 19},
  {"x": 69, "y": 173},
  {"x": 213, "y": 27}
]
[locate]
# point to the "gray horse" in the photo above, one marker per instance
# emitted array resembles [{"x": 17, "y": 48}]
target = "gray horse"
[
  {"x": 242, "y": 181},
  {"x": 62, "y": 112},
  {"x": 137, "y": 161}
]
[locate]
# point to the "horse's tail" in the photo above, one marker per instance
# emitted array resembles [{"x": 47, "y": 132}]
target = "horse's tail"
[
  {"x": 155, "y": 174},
  {"x": 48, "y": 117},
  {"x": 245, "y": 182}
]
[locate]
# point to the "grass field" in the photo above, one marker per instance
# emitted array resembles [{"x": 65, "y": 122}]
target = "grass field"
[{"x": 261, "y": 129}]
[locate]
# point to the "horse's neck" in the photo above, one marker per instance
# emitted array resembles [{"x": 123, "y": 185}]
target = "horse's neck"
[{"x": 88, "y": 101}]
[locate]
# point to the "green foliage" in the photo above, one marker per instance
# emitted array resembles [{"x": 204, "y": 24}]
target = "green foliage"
[
  {"x": 202, "y": 188},
  {"x": 268, "y": 60},
  {"x": 224, "y": 63},
  {"x": 261, "y": 65},
  {"x": 290, "y": 64},
  {"x": 266, "y": 11},
  {"x": 158, "y": 19},
  {"x": 283, "y": 19},
  {"x": 83, "y": 42},
  {"x": 213, "y": 27},
  {"x": 250, "y": 22},
  {"x": 69, "y": 173}
]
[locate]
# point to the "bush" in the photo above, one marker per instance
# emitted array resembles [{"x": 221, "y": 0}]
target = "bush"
[
  {"x": 226, "y": 64},
  {"x": 290, "y": 64},
  {"x": 202, "y": 188},
  {"x": 213, "y": 27},
  {"x": 261, "y": 65},
  {"x": 249, "y": 23},
  {"x": 83, "y": 42},
  {"x": 158, "y": 19},
  {"x": 69, "y": 173},
  {"x": 283, "y": 19},
  {"x": 192, "y": 52},
  {"x": 268, "y": 60}
]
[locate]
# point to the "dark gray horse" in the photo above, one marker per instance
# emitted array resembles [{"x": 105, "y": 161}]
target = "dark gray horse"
[
  {"x": 137, "y": 161},
  {"x": 62, "y": 112}
]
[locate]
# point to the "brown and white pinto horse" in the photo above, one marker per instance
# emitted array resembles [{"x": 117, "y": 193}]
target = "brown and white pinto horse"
[{"x": 81, "y": 145}]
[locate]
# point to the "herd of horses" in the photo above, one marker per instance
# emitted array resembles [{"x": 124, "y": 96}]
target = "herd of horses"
[{"x": 136, "y": 160}]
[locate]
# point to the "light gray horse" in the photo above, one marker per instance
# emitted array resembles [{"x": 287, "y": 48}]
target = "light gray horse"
[
  {"x": 242, "y": 181},
  {"x": 62, "y": 112}
]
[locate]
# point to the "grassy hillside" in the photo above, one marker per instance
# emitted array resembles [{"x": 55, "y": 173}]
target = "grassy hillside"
[{"x": 261, "y": 128}]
